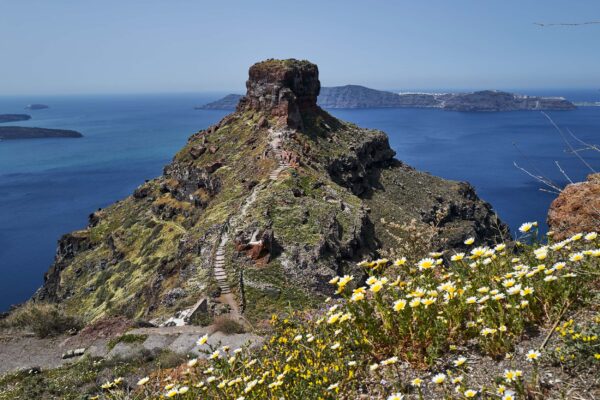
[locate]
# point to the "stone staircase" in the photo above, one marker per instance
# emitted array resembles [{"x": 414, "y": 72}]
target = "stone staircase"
[
  {"x": 219, "y": 266},
  {"x": 183, "y": 317},
  {"x": 275, "y": 173}
]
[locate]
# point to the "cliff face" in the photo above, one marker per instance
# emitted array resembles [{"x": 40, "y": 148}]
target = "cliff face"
[{"x": 258, "y": 211}]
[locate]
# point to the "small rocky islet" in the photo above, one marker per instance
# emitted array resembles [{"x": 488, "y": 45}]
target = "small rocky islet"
[
  {"x": 19, "y": 132},
  {"x": 4, "y": 118},
  {"x": 36, "y": 106},
  {"x": 355, "y": 96}
]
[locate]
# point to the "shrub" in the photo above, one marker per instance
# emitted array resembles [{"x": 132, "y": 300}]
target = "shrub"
[
  {"x": 228, "y": 325},
  {"x": 43, "y": 319},
  {"x": 413, "y": 312}
]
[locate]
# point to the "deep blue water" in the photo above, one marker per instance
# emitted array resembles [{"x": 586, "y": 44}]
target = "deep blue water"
[{"x": 50, "y": 186}]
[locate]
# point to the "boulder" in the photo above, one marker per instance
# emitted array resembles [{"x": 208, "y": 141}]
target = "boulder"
[{"x": 576, "y": 209}]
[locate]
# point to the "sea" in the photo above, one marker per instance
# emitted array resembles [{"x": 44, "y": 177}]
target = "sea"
[{"x": 49, "y": 186}]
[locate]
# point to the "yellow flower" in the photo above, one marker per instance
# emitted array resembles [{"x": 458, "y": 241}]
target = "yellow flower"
[
  {"x": 170, "y": 386},
  {"x": 532, "y": 355},
  {"x": 344, "y": 280},
  {"x": 500, "y": 247},
  {"x": 457, "y": 256},
  {"x": 192, "y": 362},
  {"x": 478, "y": 252},
  {"x": 591, "y": 236},
  {"x": 143, "y": 381},
  {"x": 334, "y": 280},
  {"x": 470, "y": 241},
  {"x": 334, "y": 318},
  {"x": 357, "y": 296},
  {"x": 576, "y": 257},
  {"x": 396, "y": 396},
  {"x": 400, "y": 262},
  {"x": 390, "y": 361},
  {"x": 512, "y": 374},
  {"x": 526, "y": 227},
  {"x": 183, "y": 390},
  {"x": 460, "y": 361},
  {"x": 576, "y": 237},
  {"x": 470, "y": 393},
  {"x": 508, "y": 396},
  {"x": 202, "y": 340},
  {"x": 438, "y": 379},
  {"x": 415, "y": 302},
  {"x": 416, "y": 382},
  {"x": 399, "y": 305},
  {"x": 172, "y": 393},
  {"x": 376, "y": 287},
  {"x": 426, "y": 263},
  {"x": 215, "y": 354},
  {"x": 428, "y": 301}
]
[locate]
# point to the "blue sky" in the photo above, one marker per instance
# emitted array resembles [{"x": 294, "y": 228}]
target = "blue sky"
[{"x": 130, "y": 46}]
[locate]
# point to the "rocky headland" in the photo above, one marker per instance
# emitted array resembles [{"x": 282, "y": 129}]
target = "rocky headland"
[
  {"x": 14, "y": 117},
  {"x": 354, "y": 96},
  {"x": 228, "y": 102},
  {"x": 257, "y": 212},
  {"x": 19, "y": 132}
]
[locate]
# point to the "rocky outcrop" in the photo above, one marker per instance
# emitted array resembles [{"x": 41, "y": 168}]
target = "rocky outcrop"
[
  {"x": 259, "y": 210},
  {"x": 17, "y": 132},
  {"x": 355, "y": 96},
  {"x": 285, "y": 90},
  {"x": 576, "y": 209}
]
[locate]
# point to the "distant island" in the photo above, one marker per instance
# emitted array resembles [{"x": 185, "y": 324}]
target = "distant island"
[
  {"x": 354, "y": 96},
  {"x": 228, "y": 102},
  {"x": 18, "y": 132},
  {"x": 14, "y": 117},
  {"x": 36, "y": 106}
]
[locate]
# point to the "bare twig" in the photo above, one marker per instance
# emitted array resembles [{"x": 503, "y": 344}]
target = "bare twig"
[
  {"x": 541, "y": 179},
  {"x": 562, "y": 135},
  {"x": 588, "y": 146},
  {"x": 562, "y": 171},
  {"x": 562, "y": 312}
]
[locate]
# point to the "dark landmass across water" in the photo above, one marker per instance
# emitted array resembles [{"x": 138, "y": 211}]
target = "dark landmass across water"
[
  {"x": 19, "y": 132},
  {"x": 228, "y": 102},
  {"x": 14, "y": 117},
  {"x": 354, "y": 96},
  {"x": 36, "y": 106}
]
